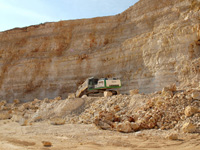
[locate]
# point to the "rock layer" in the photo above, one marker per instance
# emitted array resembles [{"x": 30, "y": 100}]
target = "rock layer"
[{"x": 151, "y": 45}]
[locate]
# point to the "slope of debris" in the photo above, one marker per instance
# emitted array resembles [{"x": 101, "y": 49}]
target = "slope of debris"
[{"x": 167, "y": 109}]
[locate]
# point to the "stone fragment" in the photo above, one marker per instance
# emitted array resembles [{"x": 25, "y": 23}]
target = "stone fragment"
[
  {"x": 188, "y": 128},
  {"x": 46, "y": 100},
  {"x": 23, "y": 122},
  {"x": 37, "y": 119},
  {"x": 134, "y": 92},
  {"x": 35, "y": 101},
  {"x": 172, "y": 136},
  {"x": 16, "y": 117},
  {"x": 5, "y": 115},
  {"x": 105, "y": 125},
  {"x": 46, "y": 143},
  {"x": 189, "y": 111},
  {"x": 135, "y": 126},
  {"x": 16, "y": 101},
  {"x": 159, "y": 102},
  {"x": 84, "y": 96},
  {"x": 107, "y": 94},
  {"x": 166, "y": 92},
  {"x": 172, "y": 87},
  {"x": 2, "y": 104},
  {"x": 71, "y": 95},
  {"x": 106, "y": 115},
  {"x": 188, "y": 97},
  {"x": 57, "y": 98},
  {"x": 124, "y": 127},
  {"x": 196, "y": 95},
  {"x": 116, "y": 108},
  {"x": 57, "y": 121}
]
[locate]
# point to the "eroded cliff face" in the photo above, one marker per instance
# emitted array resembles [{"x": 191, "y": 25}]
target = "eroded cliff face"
[{"x": 151, "y": 45}]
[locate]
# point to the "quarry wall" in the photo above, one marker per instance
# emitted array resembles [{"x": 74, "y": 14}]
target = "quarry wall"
[{"x": 150, "y": 45}]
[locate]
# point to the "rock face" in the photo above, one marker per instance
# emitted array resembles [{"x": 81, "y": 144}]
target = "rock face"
[{"x": 152, "y": 44}]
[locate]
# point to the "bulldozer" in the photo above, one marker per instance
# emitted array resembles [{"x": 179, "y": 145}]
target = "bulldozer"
[{"x": 96, "y": 87}]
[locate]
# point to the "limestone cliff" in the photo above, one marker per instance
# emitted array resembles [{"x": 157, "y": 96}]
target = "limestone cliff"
[{"x": 152, "y": 44}]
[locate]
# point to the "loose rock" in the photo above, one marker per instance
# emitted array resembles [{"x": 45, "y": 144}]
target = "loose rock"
[
  {"x": 71, "y": 95},
  {"x": 189, "y": 111},
  {"x": 107, "y": 94},
  {"x": 172, "y": 136},
  {"x": 46, "y": 144},
  {"x": 134, "y": 92},
  {"x": 189, "y": 128},
  {"x": 125, "y": 127},
  {"x": 57, "y": 121}
]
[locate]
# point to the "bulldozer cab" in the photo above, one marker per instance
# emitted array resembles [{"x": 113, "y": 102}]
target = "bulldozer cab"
[{"x": 92, "y": 82}]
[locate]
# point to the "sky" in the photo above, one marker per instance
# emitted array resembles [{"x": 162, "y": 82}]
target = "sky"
[{"x": 21, "y": 13}]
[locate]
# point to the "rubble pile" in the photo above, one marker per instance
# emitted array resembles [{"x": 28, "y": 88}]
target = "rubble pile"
[
  {"x": 167, "y": 109},
  {"x": 117, "y": 105}
]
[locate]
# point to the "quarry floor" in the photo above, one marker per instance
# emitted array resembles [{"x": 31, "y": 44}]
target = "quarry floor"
[{"x": 87, "y": 137}]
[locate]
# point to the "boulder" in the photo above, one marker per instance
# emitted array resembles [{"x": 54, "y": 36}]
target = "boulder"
[
  {"x": 124, "y": 127},
  {"x": 196, "y": 95},
  {"x": 172, "y": 136},
  {"x": 190, "y": 110},
  {"x": 188, "y": 128},
  {"x": 104, "y": 115},
  {"x": 135, "y": 126},
  {"x": 107, "y": 94},
  {"x": 105, "y": 125}
]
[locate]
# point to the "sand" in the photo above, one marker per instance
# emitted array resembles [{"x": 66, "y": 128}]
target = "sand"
[{"x": 87, "y": 137}]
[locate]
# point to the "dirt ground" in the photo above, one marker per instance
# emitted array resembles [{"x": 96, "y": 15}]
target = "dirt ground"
[{"x": 87, "y": 137}]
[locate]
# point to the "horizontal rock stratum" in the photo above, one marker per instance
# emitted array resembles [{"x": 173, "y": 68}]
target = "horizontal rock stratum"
[{"x": 150, "y": 45}]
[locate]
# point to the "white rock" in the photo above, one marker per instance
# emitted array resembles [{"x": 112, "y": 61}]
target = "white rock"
[
  {"x": 84, "y": 96},
  {"x": 107, "y": 94}
]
